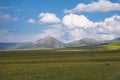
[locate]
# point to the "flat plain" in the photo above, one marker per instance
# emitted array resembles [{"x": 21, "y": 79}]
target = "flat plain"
[{"x": 55, "y": 64}]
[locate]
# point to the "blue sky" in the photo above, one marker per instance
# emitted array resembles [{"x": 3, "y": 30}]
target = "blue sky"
[{"x": 66, "y": 20}]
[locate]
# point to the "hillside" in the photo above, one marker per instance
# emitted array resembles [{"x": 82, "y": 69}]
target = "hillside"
[
  {"x": 84, "y": 41},
  {"x": 10, "y": 45},
  {"x": 112, "y": 46},
  {"x": 49, "y": 42}
]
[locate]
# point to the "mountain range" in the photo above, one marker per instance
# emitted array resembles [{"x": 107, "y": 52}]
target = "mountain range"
[{"x": 50, "y": 42}]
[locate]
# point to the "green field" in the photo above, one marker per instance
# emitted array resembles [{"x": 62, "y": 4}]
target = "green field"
[
  {"x": 113, "y": 46},
  {"x": 59, "y": 65}
]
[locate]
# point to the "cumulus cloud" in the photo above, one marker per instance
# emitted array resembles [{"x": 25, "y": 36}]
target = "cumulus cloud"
[
  {"x": 5, "y": 18},
  {"x": 109, "y": 28},
  {"x": 31, "y": 20},
  {"x": 78, "y": 27},
  {"x": 107, "y": 37},
  {"x": 55, "y": 31},
  {"x": 48, "y": 18},
  {"x": 100, "y": 6},
  {"x": 73, "y": 20},
  {"x": 76, "y": 34},
  {"x": 73, "y": 27},
  {"x": 109, "y": 25}
]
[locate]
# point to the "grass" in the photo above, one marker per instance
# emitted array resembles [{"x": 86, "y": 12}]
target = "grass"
[
  {"x": 59, "y": 65},
  {"x": 113, "y": 46}
]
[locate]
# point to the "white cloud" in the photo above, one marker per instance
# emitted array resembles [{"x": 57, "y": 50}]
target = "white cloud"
[
  {"x": 55, "y": 31},
  {"x": 73, "y": 27},
  {"x": 108, "y": 29},
  {"x": 48, "y": 18},
  {"x": 31, "y": 20},
  {"x": 5, "y": 18},
  {"x": 78, "y": 26},
  {"x": 77, "y": 34},
  {"x": 100, "y": 6},
  {"x": 107, "y": 37},
  {"x": 73, "y": 20},
  {"x": 109, "y": 25}
]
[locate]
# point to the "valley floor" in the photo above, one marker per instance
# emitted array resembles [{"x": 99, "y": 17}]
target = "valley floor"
[{"x": 56, "y": 64}]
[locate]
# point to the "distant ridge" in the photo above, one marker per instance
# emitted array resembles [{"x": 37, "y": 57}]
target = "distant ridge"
[
  {"x": 88, "y": 40},
  {"x": 50, "y": 42},
  {"x": 85, "y": 41},
  {"x": 116, "y": 40}
]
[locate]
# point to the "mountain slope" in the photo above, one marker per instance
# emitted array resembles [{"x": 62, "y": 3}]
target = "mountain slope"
[
  {"x": 88, "y": 40},
  {"x": 112, "y": 46},
  {"x": 4, "y": 46},
  {"x": 116, "y": 40},
  {"x": 11, "y": 45},
  {"x": 84, "y": 41},
  {"x": 107, "y": 45},
  {"x": 49, "y": 42}
]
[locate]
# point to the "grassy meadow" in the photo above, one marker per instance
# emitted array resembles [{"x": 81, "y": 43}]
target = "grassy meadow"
[{"x": 54, "y": 64}]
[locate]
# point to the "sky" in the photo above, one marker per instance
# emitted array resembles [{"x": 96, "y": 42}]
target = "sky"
[{"x": 65, "y": 20}]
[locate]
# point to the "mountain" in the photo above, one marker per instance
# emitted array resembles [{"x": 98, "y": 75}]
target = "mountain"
[
  {"x": 6, "y": 45},
  {"x": 92, "y": 44},
  {"x": 26, "y": 45},
  {"x": 11, "y": 45},
  {"x": 84, "y": 41},
  {"x": 49, "y": 42},
  {"x": 88, "y": 40},
  {"x": 116, "y": 40}
]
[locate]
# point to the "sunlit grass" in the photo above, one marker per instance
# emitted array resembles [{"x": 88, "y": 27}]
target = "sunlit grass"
[{"x": 113, "y": 46}]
